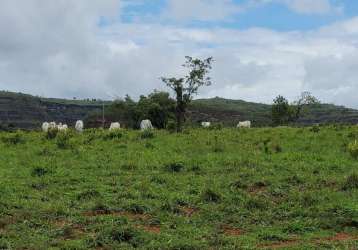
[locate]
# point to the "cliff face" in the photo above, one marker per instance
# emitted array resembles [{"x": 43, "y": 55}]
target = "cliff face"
[{"x": 28, "y": 112}]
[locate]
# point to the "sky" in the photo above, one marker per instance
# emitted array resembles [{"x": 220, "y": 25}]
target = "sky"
[{"x": 110, "y": 48}]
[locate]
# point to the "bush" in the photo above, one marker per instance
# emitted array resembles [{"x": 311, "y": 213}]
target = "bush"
[
  {"x": 63, "y": 140},
  {"x": 211, "y": 196},
  {"x": 171, "y": 126},
  {"x": 51, "y": 133},
  {"x": 353, "y": 149},
  {"x": 351, "y": 182},
  {"x": 174, "y": 167},
  {"x": 38, "y": 172},
  {"x": 13, "y": 139},
  {"x": 147, "y": 134},
  {"x": 113, "y": 135},
  {"x": 315, "y": 129}
]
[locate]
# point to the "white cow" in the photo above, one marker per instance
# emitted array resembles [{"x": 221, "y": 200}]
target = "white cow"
[
  {"x": 52, "y": 125},
  {"x": 245, "y": 124},
  {"x": 206, "y": 124},
  {"x": 62, "y": 127},
  {"x": 79, "y": 126},
  {"x": 45, "y": 127},
  {"x": 146, "y": 125},
  {"x": 114, "y": 126}
]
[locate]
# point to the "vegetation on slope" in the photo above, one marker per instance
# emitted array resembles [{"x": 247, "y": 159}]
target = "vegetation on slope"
[{"x": 294, "y": 188}]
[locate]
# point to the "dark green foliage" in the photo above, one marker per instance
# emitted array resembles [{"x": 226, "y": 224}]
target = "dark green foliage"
[
  {"x": 351, "y": 182},
  {"x": 353, "y": 149},
  {"x": 63, "y": 140},
  {"x": 185, "y": 88},
  {"x": 13, "y": 138},
  {"x": 51, "y": 133},
  {"x": 39, "y": 172},
  {"x": 209, "y": 195},
  {"x": 174, "y": 167},
  {"x": 147, "y": 134},
  {"x": 115, "y": 134},
  {"x": 280, "y": 111}
]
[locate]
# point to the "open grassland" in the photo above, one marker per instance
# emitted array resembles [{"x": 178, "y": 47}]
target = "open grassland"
[{"x": 290, "y": 188}]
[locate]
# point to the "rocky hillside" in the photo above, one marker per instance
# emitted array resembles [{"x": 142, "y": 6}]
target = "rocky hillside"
[{"x": 28, "y": 112}]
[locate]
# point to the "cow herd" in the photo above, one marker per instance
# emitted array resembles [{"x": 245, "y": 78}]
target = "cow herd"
[
  {"x": 244, "y": 124},
  {"x": 144, "y": 125}
]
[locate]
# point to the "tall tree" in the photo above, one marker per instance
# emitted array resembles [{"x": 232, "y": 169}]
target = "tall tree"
[
  {"x": 284, "y": 113},
  {"x": 185, "y": 88},
  {"x": 280, "y": 111}
]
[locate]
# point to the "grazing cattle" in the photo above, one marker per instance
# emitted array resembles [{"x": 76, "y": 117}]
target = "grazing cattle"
[
  {"x": 62, "y": 127},
  {"x": 146, "y": 125},
  {"x": 206, "y": 124},
  {"x": 45, "y": 127},
  {"x": 52, "y": 125},
  {"x": 79, "y": 126},
  {"x": 245, "y": 124},
  {"x": 115, "y": 126}
]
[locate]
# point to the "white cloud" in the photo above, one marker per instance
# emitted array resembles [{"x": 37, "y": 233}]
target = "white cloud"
[{"x": 58, "y": 50}]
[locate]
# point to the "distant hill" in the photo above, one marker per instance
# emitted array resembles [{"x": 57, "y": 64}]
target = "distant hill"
[{"x": 24, "y": 111}]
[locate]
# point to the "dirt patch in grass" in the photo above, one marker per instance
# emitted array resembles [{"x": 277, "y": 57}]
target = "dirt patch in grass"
[
  {"x": 231, "y": 231},
  {"x": 150, "y": 228},
  {"x": 188, "y": 211},
  {"x": 338, "y": 238}
]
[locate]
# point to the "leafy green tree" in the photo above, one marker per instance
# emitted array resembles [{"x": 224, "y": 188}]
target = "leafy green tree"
[
  {"x": 299, "y": 107},
  {"x": 157, "y": 107},
  {"x": 280, "y": 111},
  {"x": 185, "y": 88},
  {"x": 284, "y": 113}
]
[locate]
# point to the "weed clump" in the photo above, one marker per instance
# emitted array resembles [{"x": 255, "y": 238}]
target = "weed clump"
[
  {"x": 39, "y": 172},
  {"x": 351, "y": 182},
  {"x": 13, "y": 139},
  {"x": 353, "y": 149},
  {"x": 211, "y": 196},
  {"x": 63, "y": 140},
  {"x": 51, "y": 133},
  {"x": 147, "y": 134},
  {"x": 174, "y": 167},
  {"x": 115, "y": 134}
]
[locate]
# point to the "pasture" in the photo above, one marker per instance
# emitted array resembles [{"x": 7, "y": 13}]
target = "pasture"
[{"x": 267, "y": 188}]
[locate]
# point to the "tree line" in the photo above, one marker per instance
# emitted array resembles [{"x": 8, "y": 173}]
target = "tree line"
[{"x": 167, "y": 112}]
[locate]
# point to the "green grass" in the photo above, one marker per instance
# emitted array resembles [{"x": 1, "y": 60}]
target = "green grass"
[{"x": 294, "y": 188}]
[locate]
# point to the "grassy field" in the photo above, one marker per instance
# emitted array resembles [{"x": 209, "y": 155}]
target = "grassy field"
[{"x": 289, "y": 188}]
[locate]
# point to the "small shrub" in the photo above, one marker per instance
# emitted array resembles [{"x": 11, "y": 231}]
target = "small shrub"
[
  {"x": 87, "y": 195},
  {"x": 218, "y": 146},
  {"x": 137, "y": 208},
  {"x": 171, "y": 126},
  {"x": 147, "y": 134},
  {"x": 351, "y": 182},
  {"x": 127, "y": 235},
  {"x": 255, "y": 203},
  {"x": 210, "y": 196},
  {"x": 174, "y": 167},
  {"x": 353, "y": 149},
  {"x": 13, "y": 139},
  {"x": 51, "y": 133},
  {"x": 315, "y": 129},
  {"x": 38, "y": 172},
  {"x": 63, "y": 140},
  {"x": 115, "y": 134}
]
